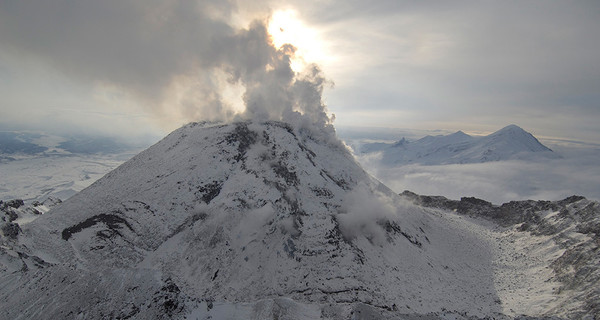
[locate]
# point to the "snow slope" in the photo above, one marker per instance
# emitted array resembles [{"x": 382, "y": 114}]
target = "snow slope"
[
  {"x": 253, "y": 220},
  {"x": 546, "y": 253},
  {"x": 510, "y": 142}
]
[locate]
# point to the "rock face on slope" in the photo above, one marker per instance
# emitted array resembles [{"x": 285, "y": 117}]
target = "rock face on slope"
[
  {"x": 245, "y": 220},
  {"x": 510, "y": 142},
  {"x": 14, "y": 212},
  {"x": 573, "y": 224}
]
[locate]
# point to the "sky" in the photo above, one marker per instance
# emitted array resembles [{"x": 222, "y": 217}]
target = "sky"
[{"x": 133, "y": 68}]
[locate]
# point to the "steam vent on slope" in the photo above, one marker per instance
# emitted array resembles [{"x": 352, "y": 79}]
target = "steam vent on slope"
[{"x": 245, "y": 221}]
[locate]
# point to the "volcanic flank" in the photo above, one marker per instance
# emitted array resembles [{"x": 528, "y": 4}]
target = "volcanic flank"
[{"x": 249, "y": 220}]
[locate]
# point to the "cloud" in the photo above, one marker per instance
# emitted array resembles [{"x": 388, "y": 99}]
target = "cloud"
[
  {"x": 364, "y": 213},
  {"x": 176, "y": 58},
  {"x": 479, "y": 64},
  {"x": 433, "y": 65},
  {"x": 553, "y": 179},
  {"x": 252, "y": 223}
]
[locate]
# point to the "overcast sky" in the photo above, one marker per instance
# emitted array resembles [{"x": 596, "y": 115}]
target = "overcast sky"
[{"x": 147, "y": 67}]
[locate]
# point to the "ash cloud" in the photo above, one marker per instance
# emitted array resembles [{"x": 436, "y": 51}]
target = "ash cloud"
[{"x": 175, "y": 58}]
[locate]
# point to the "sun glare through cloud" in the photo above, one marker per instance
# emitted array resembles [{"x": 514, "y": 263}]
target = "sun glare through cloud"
[{"x": 285, "y": 27}]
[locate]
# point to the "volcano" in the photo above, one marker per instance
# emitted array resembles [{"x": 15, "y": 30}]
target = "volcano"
[{"x": 248, "y": 220}]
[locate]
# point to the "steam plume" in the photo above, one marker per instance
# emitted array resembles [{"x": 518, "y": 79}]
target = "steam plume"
[{"x": 173, "y": 57}]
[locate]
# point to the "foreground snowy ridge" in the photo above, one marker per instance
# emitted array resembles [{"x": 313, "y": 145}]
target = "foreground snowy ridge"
[
  {"x": 246, "y": 220},
  {"x": 563, "y": 236}
]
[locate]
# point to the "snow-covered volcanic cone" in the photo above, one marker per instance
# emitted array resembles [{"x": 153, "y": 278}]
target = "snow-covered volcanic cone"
[{"x": 243, "y": 220}]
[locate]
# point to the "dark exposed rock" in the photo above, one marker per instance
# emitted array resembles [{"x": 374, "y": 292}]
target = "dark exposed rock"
[
  {"x": 244, "y": 137},
  {"x": 340, "y": 182},
  {"x": 168, "y": 298},
  {"x": 11, "y": 214},
  {"x": 392, "y": 227},
  {"x": 12, "y": 210},
  {"x": 215, "y": 275},
  {"x": 17, "y": 203},
  {"x": 507, "y": 214},
  {"x": 282, "y": 171},
  {"x": 112, "y": 221},
  {"x": 210, "y": 191},
  {"x": 33, "y": 210},
  {"x": 570, "y": 200},
  {"x": 11, "y": 230},
  {"x": 322, "y": 192},
  {"x": 290, "y": 248}
]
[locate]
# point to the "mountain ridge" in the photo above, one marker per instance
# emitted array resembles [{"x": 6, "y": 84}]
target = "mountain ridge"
[{"x": 510, "y": 142}]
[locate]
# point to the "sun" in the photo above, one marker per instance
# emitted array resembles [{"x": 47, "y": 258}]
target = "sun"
[{"x": 286, "y": 28}]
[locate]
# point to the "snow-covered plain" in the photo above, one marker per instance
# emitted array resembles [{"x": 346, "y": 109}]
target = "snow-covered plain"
[
  {"x": 38, "y": 177},
  {"x": 37, "y": 165}
]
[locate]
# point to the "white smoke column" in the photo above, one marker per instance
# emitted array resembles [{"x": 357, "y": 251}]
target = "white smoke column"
[
  {"x": 168, "y": 56},
  {"x": 273, "y": 90}
]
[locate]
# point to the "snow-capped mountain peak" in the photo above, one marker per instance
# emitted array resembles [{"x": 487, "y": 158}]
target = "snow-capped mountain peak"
[
  {"x": 510, "y": 142},
  {"x": 515, "y": 138},
  {"x": 459, "y": 135}
]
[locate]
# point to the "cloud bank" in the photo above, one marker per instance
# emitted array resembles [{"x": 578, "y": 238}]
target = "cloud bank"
[
  {"x": 180, "y": 60},
  {"x": 577, "y": 172}
]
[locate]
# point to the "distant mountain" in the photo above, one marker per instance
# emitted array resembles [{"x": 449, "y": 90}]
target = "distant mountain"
[{"x": 510, "y": 142}]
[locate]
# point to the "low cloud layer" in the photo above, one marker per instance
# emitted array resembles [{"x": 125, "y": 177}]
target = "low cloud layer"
[
  {"x": 179, "y": 60},
  {"x": 577, "y": 173}
]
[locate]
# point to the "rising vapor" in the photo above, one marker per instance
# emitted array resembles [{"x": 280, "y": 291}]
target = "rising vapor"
[{"x": 175, "y": 58}]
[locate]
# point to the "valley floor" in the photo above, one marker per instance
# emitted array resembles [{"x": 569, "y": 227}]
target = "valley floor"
[
  {"x": 523, "y": 279},
  {"x": 60, "y": 176}
]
